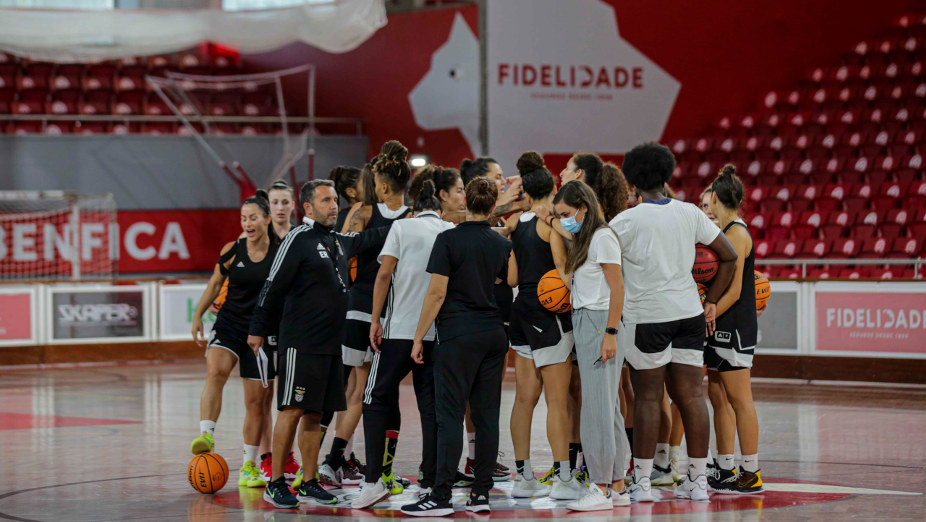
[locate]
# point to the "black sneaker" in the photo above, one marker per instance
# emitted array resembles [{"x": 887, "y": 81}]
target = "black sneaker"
[
  {"x": 462, "y": 481},
  {"x": 355, "y": 463},
  {"x": 748, "y": 483},
  {"x": 478, "y": 503},
  {"x": 311, "y": 491},
  {"x": 278, "y": 494},
  {"x": 428, "y": 506},
  {"x": 723, "y": 480}
]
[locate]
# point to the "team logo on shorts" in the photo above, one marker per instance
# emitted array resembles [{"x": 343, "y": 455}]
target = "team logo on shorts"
[
  {"x": 300, "y": 393},
  {"x": 723, "y": 337}
]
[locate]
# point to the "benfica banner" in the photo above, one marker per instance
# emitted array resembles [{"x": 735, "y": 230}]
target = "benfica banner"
[{"x": 561, "y": 79}]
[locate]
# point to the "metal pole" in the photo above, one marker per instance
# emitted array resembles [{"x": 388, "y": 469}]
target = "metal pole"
[{"x": 483, "y": 77}]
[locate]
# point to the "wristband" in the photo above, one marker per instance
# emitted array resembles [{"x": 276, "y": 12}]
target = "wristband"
[
  {"x": 610, "y": 331},
  {"x": 706, "y": 300}
]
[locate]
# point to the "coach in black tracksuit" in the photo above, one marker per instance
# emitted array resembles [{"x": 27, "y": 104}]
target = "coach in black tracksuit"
[
  {"x": 469, "y": 359},
  {"x": 307, "y": 280}
]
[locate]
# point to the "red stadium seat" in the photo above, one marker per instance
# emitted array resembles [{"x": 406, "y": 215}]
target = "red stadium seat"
[
  {"x": 772, "y": 205},
  {"x": 6, "y": 100},
  {"x": 820, "y": 273},
  {"x": 873, "y": 248},
  {"x": 886, "y": 273},
  {"x": 907, "y": 247},
  {"x": 854, "y": 273},
  {"x": 786, "y": 249},
  {"x": 59, "y": 127},
  {"x": 883, "y": 203},
  {"x": 816, "y": 248},
  {"x": 762, "y": 248},
  {"x": 758, "y": 221},
  {"x": 92, "y": 127},
  {"x": 28, "y": 107},
  {"x": 129, "y": 83},
  {"x": 856, "y": 203},
  {"x": 158, "y": 128},
  {"x": 24, "y": 127},
  {"x": 128, "y": 103},
  {"x": 871, "y": 217}
]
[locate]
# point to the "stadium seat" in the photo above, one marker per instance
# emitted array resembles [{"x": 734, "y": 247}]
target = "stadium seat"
[
  {"x": 816, "y": 248},
  {"x": 128, "y": 103},
  {"x": 55, "y": 128},
  {"x": 820, "y": 273},
  {"x": 24, "y": 127},
  {"x": 159, "y": 128},
  {"x": 854, "y": 273},
  {"x": 886, "y": 273},
  {"x": 873, "y": 248},
  {"x": 785, "y": 249},
  {"x": 907, "y": 247},
  {"x": 6, "y": 100},
  {"x": 845, "y": 248},
  {"x": 92, "y": 127}
]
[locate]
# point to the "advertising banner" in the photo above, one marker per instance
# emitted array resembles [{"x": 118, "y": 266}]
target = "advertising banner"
[
  {"x": 116, "y": 314},
  {"x": 564, "y": 80},
  {"x": 886, "y": 321},
  {"x": 778, "y": 326},
  {"x": 17, "y": 316},
  {"x": 177, "y": 309}
]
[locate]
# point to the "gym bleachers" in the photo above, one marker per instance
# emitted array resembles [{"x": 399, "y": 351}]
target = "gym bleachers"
[{"x": 834, "y": 167}]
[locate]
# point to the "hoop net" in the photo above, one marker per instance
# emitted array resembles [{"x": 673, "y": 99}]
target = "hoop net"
[{"x": 255, "y": 97}]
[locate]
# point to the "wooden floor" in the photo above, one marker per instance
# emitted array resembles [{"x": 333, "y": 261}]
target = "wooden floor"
[{"x": 112, "y": 443}]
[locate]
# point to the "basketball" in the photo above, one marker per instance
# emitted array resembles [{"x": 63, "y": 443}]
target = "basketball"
[
  {"x": 553, "y": 294},
  {"x": 352, "y": 264},
  {"x": 208, "y": 472},
  {"x": 763, "y": 290},
  {"x": 702, "y": 292},
  {"x": 220, "y": 299},
  {"x": 705, "y": 265}
]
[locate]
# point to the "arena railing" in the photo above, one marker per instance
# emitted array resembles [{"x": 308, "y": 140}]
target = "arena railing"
[
  {"x": 357, "y": 123},
  {"x": 803, "y": 263}
]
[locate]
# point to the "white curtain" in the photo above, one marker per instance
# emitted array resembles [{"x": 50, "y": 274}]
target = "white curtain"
[{"x": 78, "y": 36}]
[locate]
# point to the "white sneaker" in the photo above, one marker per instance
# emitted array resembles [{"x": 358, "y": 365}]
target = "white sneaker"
[
  {"x": 593, "y": 500},
  {"x": 661, "y": 476},
  {"x": 641, "y": 491},
  {"x": 620, "y": 499},
  {"x": 528, "y": 488},
  {"x": 328, "y": 476},
  {"x": 694, "y": 490},
  {"x": 371, "y": 494},
  {"x": 566, "y": 490}
]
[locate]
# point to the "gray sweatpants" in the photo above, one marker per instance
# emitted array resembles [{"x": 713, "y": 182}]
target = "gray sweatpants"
[{"x": 604, "y": 441}]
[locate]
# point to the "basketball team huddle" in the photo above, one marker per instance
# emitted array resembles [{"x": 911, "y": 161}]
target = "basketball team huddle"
[{"x": 441, "y": 273}]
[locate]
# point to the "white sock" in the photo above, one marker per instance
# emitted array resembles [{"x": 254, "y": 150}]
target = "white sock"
[
  {"x": 662, "y": 455},
  {"x": 642, "y": 468},
  {"x": 250, "y": 454},
  {"x": 528, "y": 470},
  {"x": 207, "y": 426},
  {"x": 471, "y": 437},
  {"x": 564, "y": 472},
  {"x": 751, "y": 463},
  {"x": 725, "y": 462},
  {"x": 696, "y": 467},
  {"x": 580, "y": 460},
  {"x": 673, "y": 452},
  {"x": 349, "y": 448},
  {"x": 709, "y": 459}
]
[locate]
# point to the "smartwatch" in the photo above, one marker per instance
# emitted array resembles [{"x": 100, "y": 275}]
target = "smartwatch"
[{"x": 610, "y": 331}]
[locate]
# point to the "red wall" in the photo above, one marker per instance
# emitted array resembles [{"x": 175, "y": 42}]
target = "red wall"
[{"x": 725, "y": 53}]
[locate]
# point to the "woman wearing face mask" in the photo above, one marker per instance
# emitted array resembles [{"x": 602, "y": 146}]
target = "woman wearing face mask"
[
  {"x": 246, "y": 264},
  {"x": 593, "y": 265}
]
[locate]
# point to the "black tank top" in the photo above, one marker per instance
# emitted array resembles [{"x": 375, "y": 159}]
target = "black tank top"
[
  {"x": 245, "y": 280},
  {"x": 744, "y": 309},
  {"x": 342, "y": 217},
  {"x": 533, "y": 256},
  {"x": 361, "y": 291}
]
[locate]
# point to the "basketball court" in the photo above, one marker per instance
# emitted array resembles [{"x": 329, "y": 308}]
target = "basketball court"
[{"x": 112, "y": 443}]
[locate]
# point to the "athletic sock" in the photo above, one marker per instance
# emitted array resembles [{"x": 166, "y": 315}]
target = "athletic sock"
[
  {"x": 207, "y": 426},
  {"x": 524, "y": 468},
  {"x": 673, "y": 452},
  {"x": 709, "y": 458},
  {"x": 662, "y": 455},
  {"x": 392, "y": 439},
  {"x": 630, "y": 438},
  {"x": 563, "y": 470},
  {"x": 471, "y": 437},
  {"x": 250, "y": 454},
  {"x": 642, "y": 468},
  {"x": 696, "y": 467},
  {"x": 574, "y": 449},
  {"x": 336, "y": 457},
  {"x": 350, "y": 446},
  {"x": 725, "y": 462},
  {"x": 751, "y": 463}
]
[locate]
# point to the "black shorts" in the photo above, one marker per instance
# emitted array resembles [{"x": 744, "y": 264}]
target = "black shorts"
[
  {"x": 541, "y": 335},
  {"x": 732, "y": 345},
  {"x": 313, "y": 382},
  {"x": 654, "y": 345},
  {"x": 236, "y": 341},
  {"x": 355, "y": 345}
]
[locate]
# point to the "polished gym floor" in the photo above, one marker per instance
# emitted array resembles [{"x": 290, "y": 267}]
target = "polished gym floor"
[{"x": 112, "y": 443}]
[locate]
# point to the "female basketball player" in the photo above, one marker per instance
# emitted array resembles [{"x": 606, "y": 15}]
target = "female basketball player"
[
  {"x": 663, "y": 317},
  {"x": 351, "y": 183},
  {"x": 391, "y": 174},
  {"x": 246, "y": 263},
  {"x": 730, "y": 349},
  {"x": 542, "y": 341},
  {"x": 469, "y": 358},
  {"x": 403, "y": 262},
  {"x": 597, "y": 291}
]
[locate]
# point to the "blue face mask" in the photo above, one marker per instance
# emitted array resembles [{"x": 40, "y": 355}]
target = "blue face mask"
[{"x": 571, "y": 225}]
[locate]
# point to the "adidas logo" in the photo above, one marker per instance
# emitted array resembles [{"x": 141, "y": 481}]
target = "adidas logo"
[
  {"x": 535, "y": 328},
  {"x": 240, "y": 264},
  {"x": 319, "y": 247}
]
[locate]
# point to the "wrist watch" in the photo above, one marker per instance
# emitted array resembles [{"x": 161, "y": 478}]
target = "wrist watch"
[{"x": 610, "y": 331}]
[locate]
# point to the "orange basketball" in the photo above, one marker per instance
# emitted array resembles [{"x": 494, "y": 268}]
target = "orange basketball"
[
  {"x": 353, "y": 269},
  {"x": 705, "y": 265},
  {"x": 763, "y": 290},
  {"x": 208, "y": 472},
  {"x": 702, "y": 292},
  {"x": 220, "y": 299},
  {"x": 553, "y": 294}
]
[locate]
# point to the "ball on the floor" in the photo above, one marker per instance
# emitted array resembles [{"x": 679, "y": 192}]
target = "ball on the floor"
[
  {"x": 553, "y": 294},
  {"x": 705, "y": 265},
  {"x": 763, "y": 290},
  {"x": 208, "y": 472}
]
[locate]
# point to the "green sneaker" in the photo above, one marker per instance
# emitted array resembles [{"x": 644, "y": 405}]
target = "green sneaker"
[
  {"x": 394, "y": 486},
  {"x": 202, "y": 444},
  {"x": 298, "y": 480},
  {"x": 249, "y": 476}
]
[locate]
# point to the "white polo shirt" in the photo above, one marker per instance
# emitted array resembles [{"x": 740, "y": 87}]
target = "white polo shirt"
[
  {"x": 410, "y": 241},
  {"x": 590, "y": 289},
  {"x": 658, "y": 243}
]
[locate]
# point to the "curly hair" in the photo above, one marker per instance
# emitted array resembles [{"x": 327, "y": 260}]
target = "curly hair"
[
  {"x": 649, "y": 166},
  {"x": 391, "y": 165},
  {"x": 611, "y": 188}
]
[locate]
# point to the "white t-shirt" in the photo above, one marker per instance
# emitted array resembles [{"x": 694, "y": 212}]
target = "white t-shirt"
[
  {"x": 658, "y": 242},
  {"x": 590, "y": 289},
  {"x": 410, "y": 241}
]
